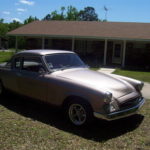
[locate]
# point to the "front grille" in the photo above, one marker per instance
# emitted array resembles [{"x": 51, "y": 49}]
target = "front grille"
[{"x": 130, "y": 103}]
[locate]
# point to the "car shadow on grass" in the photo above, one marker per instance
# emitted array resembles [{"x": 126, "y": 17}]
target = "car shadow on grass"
[{"x": 99, "y": 130}]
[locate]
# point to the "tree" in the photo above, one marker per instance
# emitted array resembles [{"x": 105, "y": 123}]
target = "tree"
[
  {"x": 13, "y": 25},
  {"x": 72, "y": 13},
  {"x": 1, "y": 20},
  {"x": 88, "y": 14},
  {"x": 62, "y": 13},
  {"x": 54, "y": 15},
  {"x": 30, "y": 19},
  {"x": 3, "y": 29},
  {"x": 47, "y": 17}
]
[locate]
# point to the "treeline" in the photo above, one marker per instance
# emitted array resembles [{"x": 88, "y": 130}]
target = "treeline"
[{"x": 69, "y": 13}]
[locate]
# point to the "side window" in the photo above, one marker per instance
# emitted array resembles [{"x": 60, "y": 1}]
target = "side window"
[
  {"x": 33, "y": 64},
  {"x": 17, "y": 63},
  {"x": 8, "y": 65}
]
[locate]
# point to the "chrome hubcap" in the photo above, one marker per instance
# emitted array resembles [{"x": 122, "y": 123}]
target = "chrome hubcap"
[{"x": 77, "y": 114}]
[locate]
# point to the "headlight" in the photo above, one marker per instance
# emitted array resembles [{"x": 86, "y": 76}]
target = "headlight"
[
  {"x": 140, "y": 86},
  {"x": 108, "y": 97},
  {"x": 111, "y": 104},
  {"x": 112, "y": 108}
]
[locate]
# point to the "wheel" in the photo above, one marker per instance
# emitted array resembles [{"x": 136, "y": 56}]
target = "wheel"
[{"x": 79, "y": 113}]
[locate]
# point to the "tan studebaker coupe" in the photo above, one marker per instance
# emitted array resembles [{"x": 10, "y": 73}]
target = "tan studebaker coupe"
[{"x": 61, "y": 78}]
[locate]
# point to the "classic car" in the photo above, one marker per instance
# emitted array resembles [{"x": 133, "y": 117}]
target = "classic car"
[{"x": 61, "y": 78}]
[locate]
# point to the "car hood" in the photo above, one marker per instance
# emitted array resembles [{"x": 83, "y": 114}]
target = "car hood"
[{"x": 99, "y": 81}]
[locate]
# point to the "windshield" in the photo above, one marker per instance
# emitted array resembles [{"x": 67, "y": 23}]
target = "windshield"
[{"x": 63, "y": 61}]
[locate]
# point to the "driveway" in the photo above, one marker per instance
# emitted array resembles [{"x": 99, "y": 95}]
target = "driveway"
[{"x": 146, "y": 90}]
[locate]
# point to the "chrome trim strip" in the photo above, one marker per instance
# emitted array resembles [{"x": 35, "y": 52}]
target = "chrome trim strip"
[{"x": 120, "y": 114}]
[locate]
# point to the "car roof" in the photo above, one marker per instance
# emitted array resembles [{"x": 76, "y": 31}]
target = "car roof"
[{"x": 43, "y": 52}]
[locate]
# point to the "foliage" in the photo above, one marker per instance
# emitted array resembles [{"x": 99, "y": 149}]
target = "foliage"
[
  {"x": 88, "y": 14},
  {"x": 30, "y": 19},
  {"x": 15, "y": 24},
  {"x": 71, "y": 13},
  {"x": 1, "y": 20},
  {"x": 4, "y": 28}
]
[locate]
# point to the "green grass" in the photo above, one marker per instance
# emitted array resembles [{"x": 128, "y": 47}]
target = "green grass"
[
  {"x": 139, "y": 75},
  {"x": 95, "y": 68},
  {"x": 29, "y": 125},
  {"x": 5, "y": 56}
]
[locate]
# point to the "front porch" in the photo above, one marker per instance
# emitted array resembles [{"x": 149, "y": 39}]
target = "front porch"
[{"x": 99, "y": 52}]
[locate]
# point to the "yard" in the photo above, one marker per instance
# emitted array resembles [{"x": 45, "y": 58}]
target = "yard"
[
  {"x": 25, "y": 124},
  {"x": 139, "y": 75},
  {"x": 5, "y": 56}
]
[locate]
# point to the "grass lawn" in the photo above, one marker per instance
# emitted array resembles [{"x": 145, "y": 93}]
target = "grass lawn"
[
  {"x": 139, "y": 75},
  {"x": 95, "y": 69},
  {"x": 5, "y": 56},
  {"x": 28, "y": 125}
]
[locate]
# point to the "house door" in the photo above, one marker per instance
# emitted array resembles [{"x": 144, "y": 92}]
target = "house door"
[{"x": 117, "y": 53}]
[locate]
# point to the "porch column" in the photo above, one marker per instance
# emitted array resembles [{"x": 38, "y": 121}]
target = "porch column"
[
  {"x": 105, "y": 52},
  {"x": 73, "y": 42},
  {"x": 16, "y": 45},
  {"x": 124, "y": 53},
  {"x": 43, "y": 42}
]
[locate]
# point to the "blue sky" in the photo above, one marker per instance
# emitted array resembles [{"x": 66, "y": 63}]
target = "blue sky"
[{"x": 118, "y": 10}]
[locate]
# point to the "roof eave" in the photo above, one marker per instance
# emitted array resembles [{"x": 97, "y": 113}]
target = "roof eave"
[{"x": 79, "y": 37}]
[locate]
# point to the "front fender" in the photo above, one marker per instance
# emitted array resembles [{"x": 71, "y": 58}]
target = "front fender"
[{"x": 135, "y": 83}]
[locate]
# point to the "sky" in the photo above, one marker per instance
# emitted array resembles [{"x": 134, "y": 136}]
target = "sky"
[{"x": 118, "y": 10}]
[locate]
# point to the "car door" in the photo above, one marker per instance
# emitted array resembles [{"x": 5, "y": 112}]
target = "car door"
[
  {"x": 31, "y": 80},
  {"x": 11, "y": 73}
]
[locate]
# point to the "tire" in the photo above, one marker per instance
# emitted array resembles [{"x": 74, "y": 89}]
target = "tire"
[{"x": 79, "y": 112}]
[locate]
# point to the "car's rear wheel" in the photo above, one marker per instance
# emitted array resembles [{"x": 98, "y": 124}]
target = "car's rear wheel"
[{"x": 79, "y": 112}]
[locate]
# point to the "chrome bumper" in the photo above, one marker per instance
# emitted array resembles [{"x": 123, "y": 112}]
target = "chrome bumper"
[{"x": 120, "y": 114}]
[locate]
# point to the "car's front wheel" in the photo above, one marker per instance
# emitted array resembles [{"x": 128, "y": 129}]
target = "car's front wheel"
[{"x": 79, "y": 112}]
